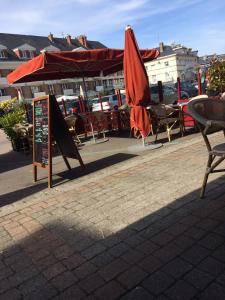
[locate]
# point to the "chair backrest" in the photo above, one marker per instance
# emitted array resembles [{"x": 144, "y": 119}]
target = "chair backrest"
[
  {"x": 163, "y": 110},
  {"x": 209, "y": 113},
  {"x": 71, "y": 120},
  {"x": 199, "y": 97}
]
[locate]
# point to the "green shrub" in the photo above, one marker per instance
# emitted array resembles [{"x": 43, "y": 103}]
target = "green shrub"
[
  {"x": 217, "y": 77},
  {"x": 9, "y": 120},
  {"x": 8, "y": 105}
]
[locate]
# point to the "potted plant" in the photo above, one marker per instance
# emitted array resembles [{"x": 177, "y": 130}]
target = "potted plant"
[{"x": 8, "y": 121}]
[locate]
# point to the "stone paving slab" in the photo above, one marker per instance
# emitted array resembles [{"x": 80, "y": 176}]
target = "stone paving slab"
[{"x": 137, "y": 230}]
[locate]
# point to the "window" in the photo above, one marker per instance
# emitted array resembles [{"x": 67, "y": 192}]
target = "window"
[
  {"x": 34, "y": 89},
  {"x": 65, "y": 86},
  {"x": 110, "y": 81},
  {"x": 23, "y": 54},
  {"x": 98, "y": 82},
  {"x": 27, "y": 54},
  {"x": 51, "y": 89},
  {"x": 2, "y": 54},
  {"x": 31, "y": 54},
  {"x": 167, "y": 76},
  {"x": 76, "y": 85},
  {"x": 153, "y": 78},
  {"x": 166, "y": 63}
]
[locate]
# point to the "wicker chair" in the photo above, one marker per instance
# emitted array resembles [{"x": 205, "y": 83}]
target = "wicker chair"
[
  {"x": 71, "y": 121},
  {"x": 210, "y": 117},
  {"x": 166, "y": 116},
  {"x": 22, "y": 136}
]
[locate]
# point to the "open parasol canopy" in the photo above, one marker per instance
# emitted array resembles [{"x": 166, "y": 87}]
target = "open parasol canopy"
[
  {"x": 136, "y": 84},
  {"x": 67, "y": 64}
]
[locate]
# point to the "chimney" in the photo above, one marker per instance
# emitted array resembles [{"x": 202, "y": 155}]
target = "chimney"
[
  {"x": 82, "y": 39},
  {"x": 50, "y": 37},
  {"x": 68, "y": 39},
  {"x": 161, "y": 46}
]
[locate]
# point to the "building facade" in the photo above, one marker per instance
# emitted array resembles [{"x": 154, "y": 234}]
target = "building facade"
[
  {"x": 174, "y": 61},
  {"x": 16, "y": 49}
]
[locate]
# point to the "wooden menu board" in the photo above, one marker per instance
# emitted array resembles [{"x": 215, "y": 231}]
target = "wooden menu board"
[{"x": 49, "y": 125}]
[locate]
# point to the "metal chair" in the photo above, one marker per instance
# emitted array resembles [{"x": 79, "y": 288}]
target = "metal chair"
[{"x": 210, "y": 117}]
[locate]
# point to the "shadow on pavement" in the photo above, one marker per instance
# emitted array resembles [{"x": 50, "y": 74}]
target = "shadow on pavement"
[
  {"x": 13, "y": 160},
  {"x": 76, "y": 172},
  {"x": 95, "y": 166},
  {"x": 176, "y": 252}
]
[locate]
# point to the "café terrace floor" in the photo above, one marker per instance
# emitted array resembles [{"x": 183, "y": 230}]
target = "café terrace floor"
[{"x": 132, "y": 227}]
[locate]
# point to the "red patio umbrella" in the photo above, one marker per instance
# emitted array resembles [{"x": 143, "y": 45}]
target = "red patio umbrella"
[
  {"x": 68, "y": 64},
  {"x": 136, "y": 84}
]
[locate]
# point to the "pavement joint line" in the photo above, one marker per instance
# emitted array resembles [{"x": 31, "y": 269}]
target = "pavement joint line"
[{"x": 98, "y": 175}]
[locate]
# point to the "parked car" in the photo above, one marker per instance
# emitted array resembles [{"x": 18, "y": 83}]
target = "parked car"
[
  {"x": 109, "y": 102},
  {"x": 189, "y": 88},
  {"x": 71, "y": 103},
  {"x": 169, "y": 94}
]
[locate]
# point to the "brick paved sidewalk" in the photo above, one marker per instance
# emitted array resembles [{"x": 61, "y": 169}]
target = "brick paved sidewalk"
[{"x": 135, "y": 231}]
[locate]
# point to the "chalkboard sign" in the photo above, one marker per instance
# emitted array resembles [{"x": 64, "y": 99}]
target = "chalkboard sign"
[
  {"x": 49, "y": 125},
  {"x": 41, "y": 131}
]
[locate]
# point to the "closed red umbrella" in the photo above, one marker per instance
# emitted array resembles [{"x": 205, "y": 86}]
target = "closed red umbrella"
[{"x": 136, "y": 84}]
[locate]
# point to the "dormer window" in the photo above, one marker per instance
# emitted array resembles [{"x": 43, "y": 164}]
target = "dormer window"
[
  {"x": 25, "y": 51},
  {"x": 3, "y": 51},
  {"x": 2, "y": 54},
  {"x": 27, "y": 54}
]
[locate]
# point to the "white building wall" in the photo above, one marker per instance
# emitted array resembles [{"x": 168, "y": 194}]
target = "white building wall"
[
  {"x": 168, "y": 68},
  {"x": 162, "y": 69}
]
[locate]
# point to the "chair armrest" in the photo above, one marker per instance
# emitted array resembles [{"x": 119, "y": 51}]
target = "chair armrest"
[
  {"x": 211, "y": 123},
  {"x": 213, "y": 126}
]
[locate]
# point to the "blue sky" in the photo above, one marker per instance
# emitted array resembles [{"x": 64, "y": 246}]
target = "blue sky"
[{"x": 198, "y": 24}]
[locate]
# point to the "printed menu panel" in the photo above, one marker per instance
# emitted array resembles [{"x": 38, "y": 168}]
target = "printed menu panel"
[{"x": 41, "y": 131}]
